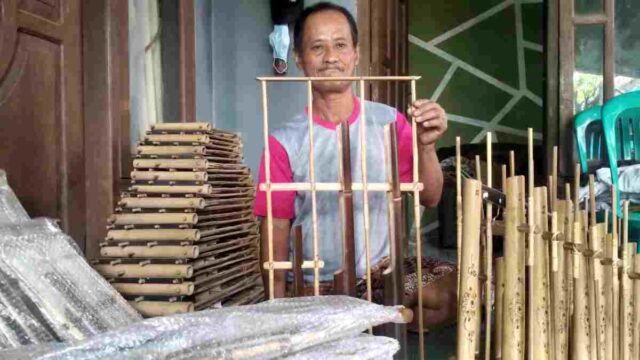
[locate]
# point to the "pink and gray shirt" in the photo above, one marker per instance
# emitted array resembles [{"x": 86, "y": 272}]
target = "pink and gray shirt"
[{"x": 289, "y": 147}]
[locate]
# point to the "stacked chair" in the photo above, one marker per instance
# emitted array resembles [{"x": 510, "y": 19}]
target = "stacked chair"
[{"x": 184, "y": 238}]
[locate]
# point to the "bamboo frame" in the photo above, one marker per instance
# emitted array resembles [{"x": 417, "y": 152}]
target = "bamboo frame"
[
  {"x": 154, "y": 235},
  {"x": 193, "y": 164},
  {"x": 171, "y": 150},
  {"x": 334, "y": 187},
  {"x": 173, "y": 189},
  {"x": 154, "y": 218},
  {"x": 161, "y": 203},
  {"x": 177, "y": 138},
  {"x": 138, "y": 175},
  {"x": 161, "y": 308},
  {"x": 185, "y": 126},
  {"x": 469, "y": 305},
  {"x": 167, "y": 251}
]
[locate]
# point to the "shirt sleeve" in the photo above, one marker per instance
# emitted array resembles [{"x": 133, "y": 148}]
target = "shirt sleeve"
[
  {"x": 405, "y": 148},
  {"x": 282, "y": 202}
]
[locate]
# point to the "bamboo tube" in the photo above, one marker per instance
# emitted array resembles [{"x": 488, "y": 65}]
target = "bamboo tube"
[
  {"x": 636, "y": 308},
  {"x": 161, "y": 203},
  {"x": 458, "y": 207},
  {"x": 169, "y": 175},
  {"x": 154, "y": 235},
  {"x": 194, "y": 126},
  {"x": 568, "y": 257},
  {"x": 173, "y": 189},
  {"x": 598, "y": 232},
  {"x": 151, "y": 289},
  {"x": 531, "y": 291},
  {"x": 590, "y": 265},
  {"x": 177, "y": 138},
  {"x": 161, "y": 308},
  {"x": 554, "y": 283},
  {"x": 626, "y": 298},
  {"x": 379, "y": 187},
  {"x": 172, "y": 271},
  {"x": 469, "y": 305},
  {"x": 630, "y": 303},
  {"x": 607, "y": 284},
  {"x": 499, "y": 305},
  {"x": 503, "y": 182},
  {"x": 195, "y": 164},
  {"x": 539, "y": 315},
  {"x": 171, "y": 150},
  {"x": 488, "y": 256},
  {"x": 189, "y": 252},
  {"x": 339, "y": 78},
  {"x": 314, "y": 204},
  {"x": 615, "y": 276},
  {"x": 560, "y": 283},
  {"x": 416, "y": 218},
  {"x": 554, "y": 174},
  {"x": 512, "y": 164},
  {"x": 580, "y": 339},
  {"x": 154, "y": 218},
  {"x": 513, "y": 341},
  {"x": 478, "y": 169}
]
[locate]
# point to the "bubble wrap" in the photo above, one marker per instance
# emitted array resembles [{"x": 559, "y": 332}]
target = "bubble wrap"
[
  {"x": 11, "y": 211},
  {"x": 64, "y": 291},
  {"x": 362, "y": 347},
  {"x": 269, "y": 330}
]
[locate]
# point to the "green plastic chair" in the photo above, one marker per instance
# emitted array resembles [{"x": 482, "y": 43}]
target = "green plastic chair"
[
  {"x": 587, "y": 128},
  {"x": 621, "y": 126}
]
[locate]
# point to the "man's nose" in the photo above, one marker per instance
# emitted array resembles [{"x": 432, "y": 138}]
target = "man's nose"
[{"x": 330, "y": 56}]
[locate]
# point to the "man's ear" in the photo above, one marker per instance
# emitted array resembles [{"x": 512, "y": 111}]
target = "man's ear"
[{"x": 298, "y": 59}]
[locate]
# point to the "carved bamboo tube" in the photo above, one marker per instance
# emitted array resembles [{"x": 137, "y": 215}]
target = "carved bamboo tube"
[
  {"x": 190, "y": 252},
  {"x": 162, "y": 203},
  {"x": 154, "y": 219},
  {"x": 499, "y": 266},
  {"x": 171, "y": 150},
  {"x": 469, "y": 304},
  {"x": 172, "y": 271},
  {"x": 177, "y": 138},
  {"x": 539, "y": 322},
  {"x": 199, "y": 164},
  {"x": 154, "y": 235},
  {"x": 161, "y": 308},
  {"x": 186, "y": 126},
  {"x": 580, "y": 339},
  {"x": 169, "y": 175},
  {"x": 173, "y": 189},
  {"x": 607, "y": 285},
  {"x": 513, "y": 341},
  {"x": 636, "y": 309},
  {"x": 151, "y": 289},
  {"x": 560, "y": 301}
]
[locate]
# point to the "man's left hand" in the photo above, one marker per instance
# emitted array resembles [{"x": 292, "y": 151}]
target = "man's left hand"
[{"x": 431, "y": 121}]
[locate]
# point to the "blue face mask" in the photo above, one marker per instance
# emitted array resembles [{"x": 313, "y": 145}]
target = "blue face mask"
[{"x": 279, "y": 40}]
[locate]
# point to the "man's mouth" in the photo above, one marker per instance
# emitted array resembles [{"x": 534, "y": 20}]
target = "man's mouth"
[{"x": 332, "y": 71}]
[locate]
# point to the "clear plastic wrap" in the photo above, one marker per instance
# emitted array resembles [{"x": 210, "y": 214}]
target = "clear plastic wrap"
[
  {"x": 268, "y": 330},
  {"x": 57, "y": 283},
  {"x": 11, "y": 211},
  {"x": 362, "y": 347}
]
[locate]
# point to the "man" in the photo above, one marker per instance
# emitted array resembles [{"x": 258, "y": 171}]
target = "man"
[{"x": 326, "y": 44}]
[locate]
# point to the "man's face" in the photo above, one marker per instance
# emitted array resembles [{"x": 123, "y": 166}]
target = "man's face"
[{"x": 327, "y": 50}]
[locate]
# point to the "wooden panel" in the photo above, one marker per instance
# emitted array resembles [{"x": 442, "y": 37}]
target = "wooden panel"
[
  {"x": 609, "y": 49},
  {"x": 566, "y": 68},
  {"x": 187, "y": 62},
  {"x": 41, "y": 139},
  {"x": 552, "y": 96},
  {"x": 47, "y": 9}
]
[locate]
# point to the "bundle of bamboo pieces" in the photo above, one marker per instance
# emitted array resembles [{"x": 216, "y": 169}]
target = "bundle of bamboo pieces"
[
  {"x": 184, "y": 238},
  {"x": 567, "y": 285}
]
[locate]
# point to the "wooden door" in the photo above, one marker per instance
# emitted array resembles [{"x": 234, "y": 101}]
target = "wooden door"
[{"x": 41, "y": 123}]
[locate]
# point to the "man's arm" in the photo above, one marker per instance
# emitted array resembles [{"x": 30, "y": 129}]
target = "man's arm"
[
  {"x": 281, "y": 229},
  {"x": 430, "y": 175}
]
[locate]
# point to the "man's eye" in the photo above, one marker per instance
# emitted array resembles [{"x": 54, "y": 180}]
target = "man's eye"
[
  {"x": 341, "y": 45},
  {"x": 316, "y": 47}
]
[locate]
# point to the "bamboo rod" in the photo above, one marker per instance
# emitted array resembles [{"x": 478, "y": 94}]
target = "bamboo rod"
[
  {"x": 267, "y": 178},
  {"x": 560, "y": 282},
  {"x": 488, "y": 255},
  {"x": 478, "y": 169},
  {"x": 314, "y": 204},
  {"x": 154, "y": 235},
  {"x": 378, "y": 187},
  {"x": 169, "y": 175},
  {"x": 580, "y": 346},
  {"x": 192, "y": 164},
  {"x": 469, "y": 306},
  {"x": 568, "y": 256},
  {"x": 161, "y": 203},
  {"x": 151, "y": 289},
  {"x": 589, "y": 262},
  {"x": 416, "y": 217},
  {"x": 458, "y": 208},
  {"x": 539, "y": 314},
  {"x": 513, "y": 341},
  {"x": 288, "y": 265},
  {"x": 168, "y": 251},
  {"x": 636, "y": 309},
  {"x": 171, "y": 150},
  {"x": 626, "y": 299},
  {"x": 161, "y": 308},
  {"x": 338, "y": 78},
  {"x": 554, "y": 174},
  {"x": 503, "y": 182},
  {"x": 172, "y": 271},
  {"x": 512, "y": 164},
  {"x": 615, "y": 276},
  {"x": 154, "y": 218},
  {"x": 532, "y": 336},
  {"x": 553, "y": 278},
  {"x": 197, "y": 126},
  {"x": 597, "y": 242},
  {"x": 177, "y": 138},
  {"x": 173, "y": 189},
  {"x": 499, "y": 305}
]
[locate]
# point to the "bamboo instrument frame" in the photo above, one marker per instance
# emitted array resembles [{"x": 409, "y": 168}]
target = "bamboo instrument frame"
[
  {"x": 172, "y": 271},
  {"x": 313, "y": 187},
  {"x": 161, "y": 308}
]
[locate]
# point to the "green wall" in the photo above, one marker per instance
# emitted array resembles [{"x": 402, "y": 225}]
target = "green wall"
[{"x": 482, "y": 60}]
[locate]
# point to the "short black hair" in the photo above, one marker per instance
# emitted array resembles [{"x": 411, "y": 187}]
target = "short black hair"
[{"x": 298, "y": 29}]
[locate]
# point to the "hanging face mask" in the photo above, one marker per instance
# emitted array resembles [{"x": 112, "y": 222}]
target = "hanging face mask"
[{"x": 279, "y": 40}]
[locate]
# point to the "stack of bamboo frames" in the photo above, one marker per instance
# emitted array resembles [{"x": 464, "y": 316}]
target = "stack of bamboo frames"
[
  {"x": 565, "y": 288},
  {"x": 184, "y": 237},
  {"x": 344, "y": 280}
]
